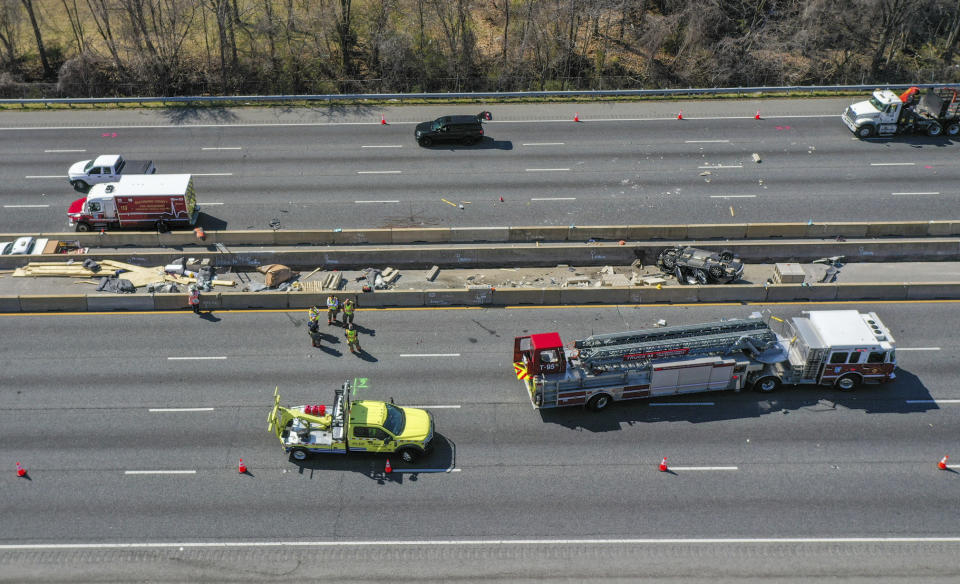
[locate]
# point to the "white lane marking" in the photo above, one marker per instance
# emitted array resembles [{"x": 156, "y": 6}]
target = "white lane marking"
[
  {"x": 80, "y": 150},
  {"x": 545, "y": 169},
  {"x": 907, "y": 194},
  {"x": 157, "y": 472},
  {"x": 553, "y": 199},
  {"x": 435, "y": 407},
  {"x": 477, "y": 542},
  {"x": 212, "y": 174},
  {"x": 46, "y": 176},
  {"x": 544, "y": 144},
  {"x": 194, "y": 358},
  {"x": 707, "y": 141},
  {"x": 681, "y": 404},
  {"x": 180, "y": 410},
  {"x": 364, "y": 202},
  {"x": 223, "y": 148},
  {"x": 918, "y": 349},
  {"x": 430, "y": 355},
  {"x": 722, "y": 166},
  {"x": 933, "y": 401},
  {"x": 383, "y": 146},
  {"x": 208, "y": 204},
  {"x": 25, "y": 206},
  {"x": 379, "y": 171},
  {"x": 703, "y": 468},
  {"x": 893, "y": 163},
  {"x": 420, "y": 470},
  {"x": 733, "y": 196}
]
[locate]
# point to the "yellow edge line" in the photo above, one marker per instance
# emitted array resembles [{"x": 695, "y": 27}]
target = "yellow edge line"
[{"x": 524, "y": 307}]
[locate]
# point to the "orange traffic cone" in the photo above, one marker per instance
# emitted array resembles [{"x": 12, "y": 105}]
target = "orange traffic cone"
[
  {"x": 383, "y": 120},
  {"x": 501, "y": 198},
  {"x": 663, "y": 464},
  {"x": 198, "y": 231},
  {"x": 680, "y": 115},
  {"x": 942, "y": 465},
  {"x": 576, "y": 117},
  {"x": 757, "y": 117},
  {"x": 388, "y": 469},
  {"x": 21, "y": 472},
  {"x": 242, "y": 467}
]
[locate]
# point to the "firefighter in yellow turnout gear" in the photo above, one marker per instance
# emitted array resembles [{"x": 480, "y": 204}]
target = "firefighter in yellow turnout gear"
[
  {"x": 333, "y": 307},
  {"x": 349, "y": 307}
]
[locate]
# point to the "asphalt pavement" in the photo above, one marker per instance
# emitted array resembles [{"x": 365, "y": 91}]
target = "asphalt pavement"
[
  {"x": 629, "y": 163},
  {"x": 808, "y": 482}
]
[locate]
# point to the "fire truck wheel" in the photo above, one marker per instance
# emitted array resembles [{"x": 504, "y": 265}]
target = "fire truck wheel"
[
  {"x": 953, "y": 129},
  {"x": 766, "y": 384},
  {"x": 599, "y": 402},
  {"x": 299, "y": 453},
  {"x": 848, "y": 382},
  {"x": 409, "y": 454},
  {"x": 83, "y": 227}
]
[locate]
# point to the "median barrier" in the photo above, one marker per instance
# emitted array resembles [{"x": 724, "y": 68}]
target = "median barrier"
[
  {"x": 305, "y": 300},
  {"x": 362, "y": 236},
  {"x": 456, "y": 297},
  {"x": 9, "y": 304},
  {"x": 519, "y": 296},
  {"x": 250, "y": 237},
  {"x": 800, "y": 292},
  {"x": 178, "y": 301},
  {"x": 211, "y": 301},
  {"x": 717, "y": 231},
  {"x": 730, "y": 293},
  {"x": 269, "y": 300},
  {"x": 591, "y": 295},
  {"x": 310, "y": 237},
  {"x": 832, "y": 230},
  {"x": 382, "y": 298},
  {"x": 52, "y": 303},
  {"x": 898, "y": 229},
  {"x": 531, "y": 234},
  {"x": 605, "y": 232},
  {"x": 781, "y": 230},
  {"x": 421, "y": 235},
  {"x": 932, "y": 290},
  {"x": 665, "y": 295},
  {"x": 663, "y": 232},
  {"x": 872, "y": 291},
  {"x": 112, "y": 302},
  {"x": 943, "y": 228},
  {"x": 478, "y": 234}
]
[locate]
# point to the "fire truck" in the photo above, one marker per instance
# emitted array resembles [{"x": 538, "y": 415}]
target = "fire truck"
[{"x": 840, "y": 348}]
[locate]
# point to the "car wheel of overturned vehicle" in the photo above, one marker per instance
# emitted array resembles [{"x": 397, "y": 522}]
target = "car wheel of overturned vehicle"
[{"x": 667, "y": 259}]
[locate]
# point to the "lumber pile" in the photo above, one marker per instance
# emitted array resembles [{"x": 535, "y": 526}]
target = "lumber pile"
[{"x": 139, "y": 276}]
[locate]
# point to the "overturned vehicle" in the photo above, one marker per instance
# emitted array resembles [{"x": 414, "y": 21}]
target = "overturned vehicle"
[{"x": 700, "y": 266}]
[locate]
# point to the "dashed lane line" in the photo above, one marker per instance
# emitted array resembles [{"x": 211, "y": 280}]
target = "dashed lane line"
[
  {"x": 707, "y": 141},
  {"x": 909, "y": 194},
  {"x": 430, "y": 355},
  {"x": 368, "y": 202},
  {"x": 553, "y": 199},
  {"x": 703, "y": 468},
  {"x": 25, "y": 206},
  {"x": 159, "y": 472},
  {"x": 893, "y": 164},
  {"x": 46, "y": 176},
  {"x": 733, "y": 196},
  {"x": 544, "y": 144},
  {"x": 379, "y": 172},
  {"x": 712, "y": 166},
  {"x": 59, "y": 151},
  {"x": 180, "y": 410},
  {"x": 222, "y": 148},
  {"x": 382, "y": 146},
  {"x": 212, "y": 174},
  {"x": 546, "y": 169},
  {"x": 219, "y": 358}
]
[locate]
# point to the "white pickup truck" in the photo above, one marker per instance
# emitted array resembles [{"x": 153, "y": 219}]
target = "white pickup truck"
[{"x": 106, "y": 168}]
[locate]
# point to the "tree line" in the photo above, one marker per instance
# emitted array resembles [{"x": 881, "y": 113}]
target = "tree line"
[{"x": 93, "y": 48}]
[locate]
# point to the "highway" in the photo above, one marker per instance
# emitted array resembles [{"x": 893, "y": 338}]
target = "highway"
[
  {"x": 628, "y": 163},
  {"x": 808, "y": 482}
]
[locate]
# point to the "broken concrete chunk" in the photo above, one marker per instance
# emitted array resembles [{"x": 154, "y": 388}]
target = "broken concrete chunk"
[
  {"x": 615, "y": 280},
  {"x": 432, "y": 274},
  {"x": 577, "y": 280},
  {"x": 756, "y": 158},
  {"x": 606, "y": 270}
]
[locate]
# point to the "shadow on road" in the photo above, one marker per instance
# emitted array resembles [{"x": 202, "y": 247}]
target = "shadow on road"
[
  {"x": 187, "y": 114},
  {"x": 440, "y": 460},
  {"x": 484, "y": 144},
  {"x": 892, "y": 398}
]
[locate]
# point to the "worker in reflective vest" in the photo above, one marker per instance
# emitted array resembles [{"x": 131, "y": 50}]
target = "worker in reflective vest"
[
  {"x": 333, "y": 307},
  {"x": 352, "y": 341},
  {"x": 313, "y": 318},
  {"x": 349, "y": 306},
  {"x": 195, "y": 300}
]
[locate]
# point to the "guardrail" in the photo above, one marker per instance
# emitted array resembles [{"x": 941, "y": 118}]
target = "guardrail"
[
  {"x": 517, "y": 234},
  {"x": 491, "y": 297},
  {"x": 489, "y": 95}
]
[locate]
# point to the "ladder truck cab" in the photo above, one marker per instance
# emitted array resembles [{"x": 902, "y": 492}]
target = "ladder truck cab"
[
  {"x": 887, "y": 113},
  {"x": 361, "y": 426},
  {"x": 841, "y": 348}
]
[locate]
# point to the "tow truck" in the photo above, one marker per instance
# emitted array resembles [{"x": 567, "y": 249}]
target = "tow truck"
[
  {"x": 361, "y": 426},
  {"x": 840, "y": 348}
]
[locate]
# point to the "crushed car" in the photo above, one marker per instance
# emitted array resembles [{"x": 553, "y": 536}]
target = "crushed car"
[{"x": 691, "y": 265}]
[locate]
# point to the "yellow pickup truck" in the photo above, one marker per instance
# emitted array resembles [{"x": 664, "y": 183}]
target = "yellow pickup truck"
[{"x": 351, "y": 427}]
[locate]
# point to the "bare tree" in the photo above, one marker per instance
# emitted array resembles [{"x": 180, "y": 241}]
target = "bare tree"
[
  {"x": 31, "y": 13},
  {"x": 9, "y": 31}
]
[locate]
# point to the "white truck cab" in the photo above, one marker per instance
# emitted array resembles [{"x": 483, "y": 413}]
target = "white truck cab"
[{"x": 877, "y": 115}]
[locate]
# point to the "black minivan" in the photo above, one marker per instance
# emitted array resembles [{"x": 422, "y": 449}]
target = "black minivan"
[{"x": 461, "y": 129}]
